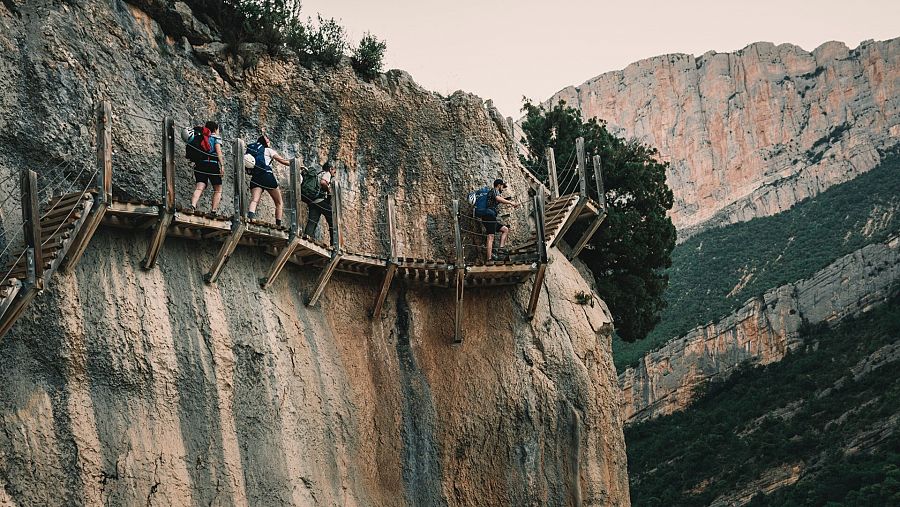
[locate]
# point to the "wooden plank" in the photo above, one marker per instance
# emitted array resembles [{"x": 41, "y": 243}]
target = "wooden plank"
[
  {"x": 241, "y": 200},
  {"x": 570, "y": 220},
  {"x": 225, "y": 253},
  {"x": 167, "y": 210},
  {"x": 16, "y": 308},
  {"x": 324, "y": 277},
  {"x": 337, "y": 236},
  {"x": 31, "y": 219},
  {"x": 598, "y": 181},
  {"x": 294, "y": 197},
  {"x": 460, "y": 277},
  {"x": 551, "y": 171},
  {"x": 582, "y": 178},
  {"x": 535, "y": 291}
]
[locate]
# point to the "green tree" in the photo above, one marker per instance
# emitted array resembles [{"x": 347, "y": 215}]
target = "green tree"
[{"x": 633, "y": 247}]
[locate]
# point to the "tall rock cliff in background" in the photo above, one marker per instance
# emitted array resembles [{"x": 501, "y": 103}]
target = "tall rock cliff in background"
[
  {"x": 761, "y": 332},
  {"x": 752, "y": 132},
  {"x": 125, "y": 387}
]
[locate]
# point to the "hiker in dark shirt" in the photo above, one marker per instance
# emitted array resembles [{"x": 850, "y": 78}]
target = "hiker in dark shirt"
[
  {"x": 264, "y": 176},
  {"x": 316, "y": 193},
  {"x": 205, "y": 150},
  {"x": 490, "y": 220}
]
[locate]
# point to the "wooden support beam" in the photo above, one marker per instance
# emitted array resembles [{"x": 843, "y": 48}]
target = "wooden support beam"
[
  {"x": 324, "y": 277},
  {"x": 31, "y": 220},
  {"x": 391, "y": 268},
  {"x": 17, "y": 308},
  {"x": 551, "y": 171},
  {"x": 337, "y": 211},
  {"x": 598, "y": 180},
  {"x": 538, "y": 202},
  {"x": 582, "y": 170},
  {"x": 239, "y": 220},
  {"x": 460, "y": 272},
  {"x": 167, "y": 208},
  {"x": 588, "y": 234},
  {"x": 512, "y": 129},
  {"x": 104, "y": 192},
  {"x": 293, "y": 237}
]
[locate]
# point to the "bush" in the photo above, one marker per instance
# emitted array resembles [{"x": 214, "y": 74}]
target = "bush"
[
  {"x": 323, "y": 41},
  {"x": 368, "y": 58}
]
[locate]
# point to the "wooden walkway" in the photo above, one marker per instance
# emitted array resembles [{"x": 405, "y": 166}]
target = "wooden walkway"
[{"x": 66, "y": 224}]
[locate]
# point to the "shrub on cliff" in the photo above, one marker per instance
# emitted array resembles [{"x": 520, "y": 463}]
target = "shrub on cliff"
[
  {"x": 632, "y": 248},
  {"x": 368, "y": 57},
  {"x": 323, "y": 41}
]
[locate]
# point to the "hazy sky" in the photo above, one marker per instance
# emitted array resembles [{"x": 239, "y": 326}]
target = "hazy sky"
[{"x": 504, "y": 49}]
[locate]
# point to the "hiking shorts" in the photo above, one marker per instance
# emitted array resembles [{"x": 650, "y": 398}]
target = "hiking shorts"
[
  {"x": 264, "y": 180},
  {"x": 207, "y": 175},
  {"x": 491, "y": 223}
]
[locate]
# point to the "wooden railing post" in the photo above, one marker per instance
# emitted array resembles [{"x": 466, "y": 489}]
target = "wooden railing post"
[
  {"x": 582, "y": 179},
  {"x": 31, "y": 222},
  {"x": 238, "y": 221},
  {"x": 104, "y": 152},
  {"x": 293, "y": 242},
  {"x": 337, "y": 240},
  {"x": 391, "y": 267},
  {"x": 240, "y": 181},
  {"x": 538, "y": 203},
  {"x": 104, "y": 190},
  {"x": 167, "y": 209},
  {"x": 551, "y": 171},
  {"x": 598, "y": 179},
  {"x": 460, "y": 269}
]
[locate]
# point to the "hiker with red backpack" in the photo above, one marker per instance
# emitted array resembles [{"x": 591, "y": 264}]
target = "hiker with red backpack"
[
  {"x": 204, "y": 148},
  {"x": 263, "y": 177},
  {"x": 485, "y": 201}
]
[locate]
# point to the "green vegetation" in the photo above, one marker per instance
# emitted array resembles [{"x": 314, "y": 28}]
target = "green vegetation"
[
  {"x": 368, "y": 57},
  {"x": 279, "y": 25},
  {"x": 632, "y": 248},
  {"x": 716, "y": 271},
  {"x": 807, "y": 411}
]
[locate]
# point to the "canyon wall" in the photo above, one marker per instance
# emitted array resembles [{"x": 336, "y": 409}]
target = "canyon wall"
[
  {"x": 761, "y": 331},
  {"x": 128, "y": 387},
  {"x": 752, "y": 132}
]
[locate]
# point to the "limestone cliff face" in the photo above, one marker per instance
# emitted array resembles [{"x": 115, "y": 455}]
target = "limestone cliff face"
[
  {"x": 761, "y": 331},
  {"x": 128, "y": 387},
  {"x": 752, "y": 132}
]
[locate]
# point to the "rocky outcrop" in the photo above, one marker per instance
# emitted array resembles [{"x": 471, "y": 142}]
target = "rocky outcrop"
[
  {"x": 751, "y": 133},
  {"x": 128, "y": 387},
  {"x": 761, "y": 331}
]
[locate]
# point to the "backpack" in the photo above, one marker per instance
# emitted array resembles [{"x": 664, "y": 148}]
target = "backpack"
[
  {"x": 258, "y": 152},
  {"x": 192, "y": 149},
  {"x": 310, "y": 188},
  {"x": 479, "y": 198}
]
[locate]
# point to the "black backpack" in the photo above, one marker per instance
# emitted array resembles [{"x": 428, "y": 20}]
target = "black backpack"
[{"x": 193, "y": 150}]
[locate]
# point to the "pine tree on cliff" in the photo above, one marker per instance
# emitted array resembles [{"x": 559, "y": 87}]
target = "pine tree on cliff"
[{"x": 632, "y": 248}]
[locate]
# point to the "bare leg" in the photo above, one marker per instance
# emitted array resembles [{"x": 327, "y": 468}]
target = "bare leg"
[
  {"x": 489, "y": 246},
  {"x": 279, "y": 205},
  {"x": 217, "y": 197},
  {"x": 198, "y": 191},
  {"x": 255, "y": 194},
  {"x": 504, "y": 232}
]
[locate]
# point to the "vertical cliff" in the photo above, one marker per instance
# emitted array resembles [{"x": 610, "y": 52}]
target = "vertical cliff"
[
  {"x": 124, "y": 387},
  {"x": 760, "y": 332},
  {"x": 752, "y": 132}
]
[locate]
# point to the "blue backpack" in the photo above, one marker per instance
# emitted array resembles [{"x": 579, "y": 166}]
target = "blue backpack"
[
  {"x": 258, "y": 152},
  {"x": 479, "y": 198}
]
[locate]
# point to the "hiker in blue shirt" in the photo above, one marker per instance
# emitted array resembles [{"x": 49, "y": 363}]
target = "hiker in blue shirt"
[
  {"x": 204, "y": 148},
  {"x": 487, "y": 211},
  {"x": 264, "y": 177}
]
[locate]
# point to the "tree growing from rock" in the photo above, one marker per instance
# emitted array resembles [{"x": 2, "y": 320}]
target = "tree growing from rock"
[{"x": 631, "y": 250}]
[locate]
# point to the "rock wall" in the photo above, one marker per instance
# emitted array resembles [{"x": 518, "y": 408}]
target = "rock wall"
[
  {"x": 752, "y": 132},
  {"x": 761, "y": 331},
  {"x": 124, "y": 387}
]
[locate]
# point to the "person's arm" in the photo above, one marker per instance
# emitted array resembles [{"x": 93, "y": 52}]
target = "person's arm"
[
  {"x": 221, "y": 161},
  {"x": 504, "y": 200},
  {"x": 325, "y": 182},
  {"x": 281, "y": 160}
]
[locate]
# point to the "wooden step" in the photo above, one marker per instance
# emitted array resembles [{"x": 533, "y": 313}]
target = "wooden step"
[{"x": 64, "y": 201}]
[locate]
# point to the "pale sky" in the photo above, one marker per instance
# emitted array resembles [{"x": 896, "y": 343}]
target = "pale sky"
[{"x": 504, "y": 49}]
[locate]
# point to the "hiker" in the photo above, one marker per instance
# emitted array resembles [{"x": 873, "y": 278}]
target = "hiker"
[
  {"x": 315, "y": 191},
  {"x": 264, "y": 178},
  {"x": 486, "y": 209},
  {"x": 204, "y": 149}
]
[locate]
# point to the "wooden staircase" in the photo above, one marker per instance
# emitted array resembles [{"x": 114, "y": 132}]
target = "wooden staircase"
[{"x": 61, "y": 221}]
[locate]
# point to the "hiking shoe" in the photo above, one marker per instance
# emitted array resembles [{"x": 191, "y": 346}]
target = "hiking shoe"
[
  {"x": 496, "y": 257},
  {"x": 251, "y": 215},
  {"x": 191, "y": 208}
]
